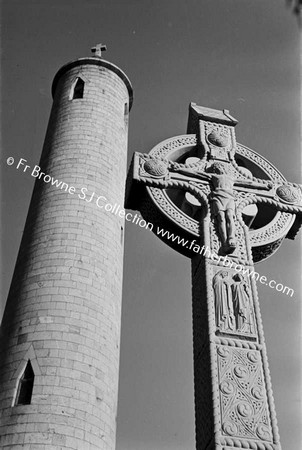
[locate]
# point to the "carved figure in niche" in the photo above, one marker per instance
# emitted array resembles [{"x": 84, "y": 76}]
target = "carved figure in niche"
[
  {"x": 224, "y": 311},
  {"x": 241, "y": 304}
]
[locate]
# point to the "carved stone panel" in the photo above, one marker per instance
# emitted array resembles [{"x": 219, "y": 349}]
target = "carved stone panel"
[
  {"x": 220, "y": 140},
  {"x": 234, "y": 313},
  {"x": 244, "y": 408}
]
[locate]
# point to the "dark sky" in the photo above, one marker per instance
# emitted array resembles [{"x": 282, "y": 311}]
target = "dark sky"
[{"x": 242, "y": 55}]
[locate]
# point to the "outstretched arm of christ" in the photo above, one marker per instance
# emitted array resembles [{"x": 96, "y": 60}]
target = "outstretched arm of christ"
[
  {"x": 267, "y": 185},
  {"x": 191, "y": 173}
]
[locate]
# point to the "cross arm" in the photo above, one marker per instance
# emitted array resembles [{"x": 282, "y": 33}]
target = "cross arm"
[
  {"x": 182, "y": 169},
  {"x": 285, "y": 194},
  {"x": 286, "y": 197},
  {"x": 146, "y": 170}
]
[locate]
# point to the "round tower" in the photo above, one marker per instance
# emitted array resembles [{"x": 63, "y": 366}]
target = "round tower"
[{"x": 61, "y": 327}]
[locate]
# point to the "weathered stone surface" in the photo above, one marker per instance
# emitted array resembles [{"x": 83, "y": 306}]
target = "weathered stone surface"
[{"x": 64, "y": 306}]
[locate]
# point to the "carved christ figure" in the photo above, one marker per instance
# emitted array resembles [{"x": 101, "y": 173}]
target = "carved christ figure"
[
  {"x": 222, "y": 199},
  {"x": 225, "y": 319},
  {"x": 223, "y": 206}
]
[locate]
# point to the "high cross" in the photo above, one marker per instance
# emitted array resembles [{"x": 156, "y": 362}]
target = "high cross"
[{"x": 207, "y": 188}]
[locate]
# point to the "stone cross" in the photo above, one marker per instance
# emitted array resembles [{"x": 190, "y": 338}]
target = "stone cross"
[
  {"x": 227, "y": 207},
  {"x": 98, "y": 49}
]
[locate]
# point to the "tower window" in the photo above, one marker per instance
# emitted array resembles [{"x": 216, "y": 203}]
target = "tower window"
[
  {"x": 126, "y": 113},
  {"x": 77, "y": 90},
  {"x": 25, "y": 387}
]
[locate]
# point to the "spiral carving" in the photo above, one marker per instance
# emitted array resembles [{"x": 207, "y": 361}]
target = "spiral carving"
[
  {"x": 288, "y": 194},
  {"x": 257, "y": 392},
  {"x": 223, "y": 352},
  {"x": 156, "y": 168},
  {"x": 263, "y": 432},
  {"x": 227, "y": 387},
  {"x": 253, "y": 356},
  {"x": 244, "y": 409},
  {"x": 241, "y": 371},
  {"x": 230, "y": 428},
  {"x": 218, "y": 139}
]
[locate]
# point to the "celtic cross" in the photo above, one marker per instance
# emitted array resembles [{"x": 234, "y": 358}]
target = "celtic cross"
[{"x": 209, "y": 190}]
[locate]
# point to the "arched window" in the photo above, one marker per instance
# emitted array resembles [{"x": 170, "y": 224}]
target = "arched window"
[
  {"x": 77, "y": 90},
  {"x": 25, "y": 387}
]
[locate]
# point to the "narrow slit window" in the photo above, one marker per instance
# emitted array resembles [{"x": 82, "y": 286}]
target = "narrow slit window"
[
  {"x": 77, "y": 90},
  {"x": 25, "y": 387},
  {"x": 126, "y": 113}
]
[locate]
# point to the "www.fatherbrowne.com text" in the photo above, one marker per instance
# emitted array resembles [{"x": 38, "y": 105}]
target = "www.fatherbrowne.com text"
[
  {"x": 101, "y": 202},
  {"x": 224, "y": 260}
]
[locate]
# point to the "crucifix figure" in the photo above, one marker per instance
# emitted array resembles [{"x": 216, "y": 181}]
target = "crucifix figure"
[
  {"x": 222, "y": 198},
  {"x": 218, "y": 195}
]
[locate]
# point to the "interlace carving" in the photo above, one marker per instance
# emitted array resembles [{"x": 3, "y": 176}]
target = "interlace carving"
[
  {"x": 273, "y": 232},
  {"x": 244, "y": 409},
  {"x": 165, "y": 148},
  {"x": 171, "y": 209},
  {"x": 264, "y": 251}
]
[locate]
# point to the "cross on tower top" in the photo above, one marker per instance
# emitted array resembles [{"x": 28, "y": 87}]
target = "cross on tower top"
[{"x": 98, "y": 49}]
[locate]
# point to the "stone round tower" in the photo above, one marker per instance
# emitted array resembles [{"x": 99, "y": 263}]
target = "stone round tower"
[{"x": 61, "y": 327}]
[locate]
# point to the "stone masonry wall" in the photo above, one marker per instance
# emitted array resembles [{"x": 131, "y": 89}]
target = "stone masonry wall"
[{"x": 64, "y": 307}]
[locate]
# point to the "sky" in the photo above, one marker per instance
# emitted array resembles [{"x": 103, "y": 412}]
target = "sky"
[{"x": 241, "y": 55}]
